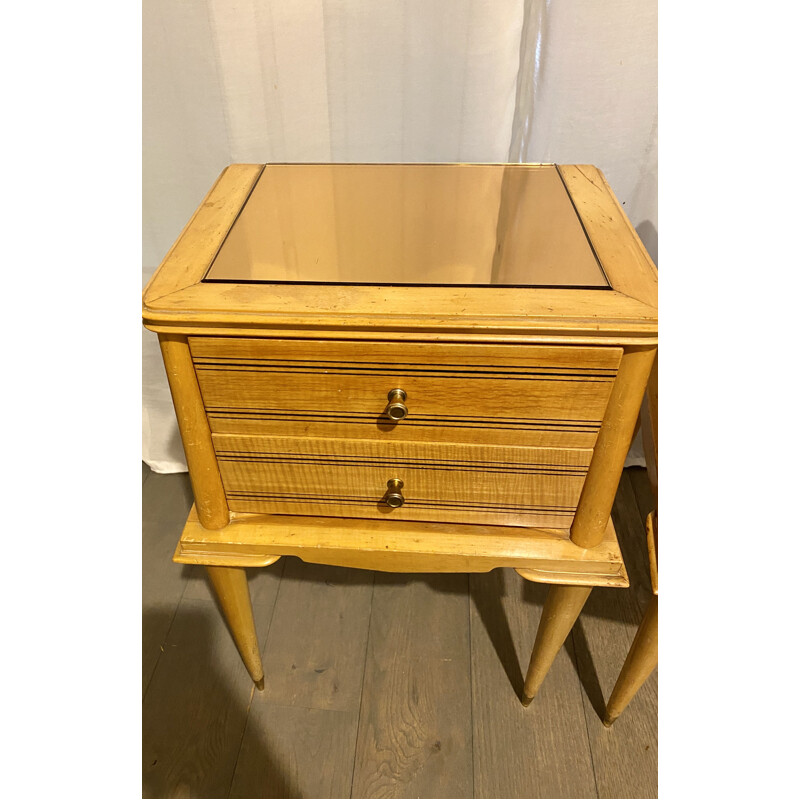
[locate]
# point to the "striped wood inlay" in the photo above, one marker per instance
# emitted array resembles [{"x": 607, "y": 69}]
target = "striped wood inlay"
[
  {"x": 498, "y": 394},
  {"x": 442, "y": 482}
]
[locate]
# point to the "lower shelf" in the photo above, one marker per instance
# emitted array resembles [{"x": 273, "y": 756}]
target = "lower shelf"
[{"x": 544, "y": 555}]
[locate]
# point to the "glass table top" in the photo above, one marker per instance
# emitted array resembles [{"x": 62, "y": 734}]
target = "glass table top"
[{"x": 409, "y": 224}]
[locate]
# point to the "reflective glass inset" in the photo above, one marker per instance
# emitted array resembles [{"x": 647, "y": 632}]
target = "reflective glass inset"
[{"x": 429, "y": 224}]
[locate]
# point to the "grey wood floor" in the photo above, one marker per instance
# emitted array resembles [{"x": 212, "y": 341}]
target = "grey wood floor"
[{"x": 386, "y": 685}]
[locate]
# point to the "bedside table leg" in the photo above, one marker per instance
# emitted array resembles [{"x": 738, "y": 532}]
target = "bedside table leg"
[
  {"x": 230, "y": 584},
  {"x": 561, "y": 609},
  {"x": 641, "y": 661}
]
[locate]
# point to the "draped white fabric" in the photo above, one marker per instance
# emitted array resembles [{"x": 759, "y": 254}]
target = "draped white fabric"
[{"x": 348, "y": 80}]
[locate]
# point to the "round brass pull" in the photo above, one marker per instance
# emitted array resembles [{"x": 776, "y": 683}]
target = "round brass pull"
[
  {"x": 397, "y": 409},
  {"x": 394, "y": 497}
]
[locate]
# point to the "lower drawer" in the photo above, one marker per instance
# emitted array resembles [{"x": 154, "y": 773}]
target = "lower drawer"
[{"x": 441, "y": 482}]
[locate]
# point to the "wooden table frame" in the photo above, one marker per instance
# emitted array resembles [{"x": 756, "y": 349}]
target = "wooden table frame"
[{"x": 178, "y": 304}]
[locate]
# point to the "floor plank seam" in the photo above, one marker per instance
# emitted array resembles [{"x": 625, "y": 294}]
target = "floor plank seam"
[
  {"x": 253, "y": 688},
  {"x": 363, "y": 676},
  {"x": 164, "y": 641},
  {"x": 272, "y": 704},
  {"x": 241, "y": 741},
  {"x": 617, "y": 758},
  {"x": 585, "y": 715},
  {"x": 274, "y": 606}
]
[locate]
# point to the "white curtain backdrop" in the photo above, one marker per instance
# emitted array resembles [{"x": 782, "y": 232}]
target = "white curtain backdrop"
[{"x": 572, "y": 81}]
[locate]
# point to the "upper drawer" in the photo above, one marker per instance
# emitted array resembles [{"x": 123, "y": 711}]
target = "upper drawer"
[{"x": 525, "y": 395}]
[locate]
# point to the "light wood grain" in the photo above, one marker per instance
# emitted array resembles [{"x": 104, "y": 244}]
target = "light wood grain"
[
  {"x": 613, "y": 441},
  {"x": 652, "y": 549},
  {"x": 641, "y": 661},
  {"x": 178, "y": 301},
  {"x": 289, "y": 751},
  {"x": 545, "y": 315},
  {"x": 533, "y": 398},
  {"x": 526, "y": 433},
  {"x": 642, "y": 658},
  {"x": 625, "y": 757},
  {"x": 414, "y": 737},
  {"x": 447, "y": 482},
  {"x": 253, "y": 539},
  {"x": 600, "y": 361},
  {"x": 194, "y": 250},
  {"x": 454, "y": 392},
  {"x": 538, "y": 752},
  {"x": 649, "y": 417},
  {"x": 212, "y": 507},
  {"x": 561, "y": 609},
  {"x": 619, "y": 249},
  {"x": 230, "y": 585}
]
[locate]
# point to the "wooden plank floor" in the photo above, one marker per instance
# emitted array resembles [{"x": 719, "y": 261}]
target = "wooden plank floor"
[{"x": 384, "y": 685}]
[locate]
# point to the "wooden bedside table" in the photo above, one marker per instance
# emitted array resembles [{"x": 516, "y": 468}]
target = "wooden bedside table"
[{"x": 412, "y": 368}]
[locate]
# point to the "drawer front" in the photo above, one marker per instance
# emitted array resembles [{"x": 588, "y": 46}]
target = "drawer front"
[
  {"x": 526, "y": 395},
  {"x": 441, "y": 482}
]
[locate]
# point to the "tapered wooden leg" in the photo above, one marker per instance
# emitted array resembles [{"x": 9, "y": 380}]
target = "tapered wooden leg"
[
  {"x": 641, "y": 661},
  {"x": 230, "y": 584},
  {"x": 561, "y": 609}
]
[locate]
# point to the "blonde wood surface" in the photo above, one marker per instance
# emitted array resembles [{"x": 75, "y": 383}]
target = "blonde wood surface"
[
  {"x": 625, "y": 759},
  {"x": 652, "y": 549},
  {"x": 230, "y": 585},
  {"x": 519, "y": 754},
  {"x": 252, "y": 540},
  {"x": 194, "y": 250},
  {"x": 613, "y": 441},
  {"x": 515, "y": 398},
  {"x": 561, "y": 609},
  {"x": 204, "y": 723},
  {"x": 499, "y": 359},
  {"x": 441, "y": 482},
  {"x": 641, "y": 661},
  {"x": 621, "y": 253},
  {"x": 649, "y": 417},
  {"x": 209, "y": 495},
  {"x": 540, "y": 395},
  {"x": 643, "y": 655},
  {"x": 560, "y": 434},
  {"x": 178, "y": 301},
  {"x": 585, "y": 315}
]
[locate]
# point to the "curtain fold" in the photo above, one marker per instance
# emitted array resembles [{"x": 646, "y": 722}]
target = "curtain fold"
[{"x": 344, "y": 80}]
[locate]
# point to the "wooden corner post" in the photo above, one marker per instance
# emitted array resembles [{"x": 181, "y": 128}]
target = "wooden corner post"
[
  {"x": 209, "y": 495},
  {"x": 613, "y": 441}
]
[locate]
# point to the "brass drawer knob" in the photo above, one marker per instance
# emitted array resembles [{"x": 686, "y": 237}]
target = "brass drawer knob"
[
  {"x": 397, "y": 408},
  {"x": 394, "y": 497}
]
